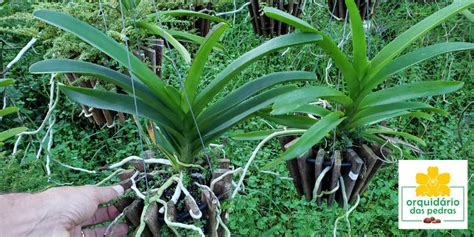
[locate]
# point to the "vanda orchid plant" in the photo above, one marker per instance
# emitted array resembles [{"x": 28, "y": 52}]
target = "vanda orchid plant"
[
  {"x": 364, "y": 102},
  {"x": 185, "y": 115}
]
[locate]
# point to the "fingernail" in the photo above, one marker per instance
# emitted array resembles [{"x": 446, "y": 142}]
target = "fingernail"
[{"x": 119, "y": 189}]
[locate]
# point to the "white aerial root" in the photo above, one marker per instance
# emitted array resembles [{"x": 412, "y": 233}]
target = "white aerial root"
[
  {"x": 110, "y": 176},
  {"x": 318, "y": 183},
  {"x": 223, "y": 176},
  {"x": 259, "y": 146},
  {"x": 108, "y": 229},
  {"x": 147, "y": 161},
  {"x": 276, "y": 174},
  {"x": 346, "y": 214},
  {"x": 52, "y": 104},
  {"x": 19, "y": 55},
  {"x": 187, "y": 194},
  {"x": 134, "y": 186},
  {"x": 218, "y": 209},
  {"x": 76, "y": 168}
]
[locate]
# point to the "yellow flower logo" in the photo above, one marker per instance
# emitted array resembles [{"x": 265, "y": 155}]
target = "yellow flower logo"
[{"x": 432, "y": 184}]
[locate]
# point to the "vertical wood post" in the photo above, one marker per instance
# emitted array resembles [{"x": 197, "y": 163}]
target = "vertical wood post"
[
  {"x": 306, "y": 173},
  {"x": 318, "y": 167},
  {"x": 336, "y": 173}
]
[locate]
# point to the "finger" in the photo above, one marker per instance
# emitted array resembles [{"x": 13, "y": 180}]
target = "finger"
[
  {"x": 76, "y": 232},
  {"x": 115, "y": 231},
  {"x": 106, "y": 194},
  {"x": 103, "y": 214}
]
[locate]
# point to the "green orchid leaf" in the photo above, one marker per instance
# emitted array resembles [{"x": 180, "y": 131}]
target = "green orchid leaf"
[
  {"x": 310, "y": 138},
  {"x": 401, "y": 134},
  {"x": 253, "y": 87},
  {"x": 156, "y": 30},
  {"x": 116, "y": 102},
  {"x": 404, "y": 40},
  {"x": 328, "y": 45},
  {"x": 8, "y": 110},
  {"x": 6, "y": 82},
  {"x": 107, "y": 45},
  {"x": 197, "y": 67},
  {"x": 410, "y": 91},
  {"x": 245, "y": 60},
  {"x": 290, "y": 102},
  {"x": 415, "y": 57},
  {"x": 11, "y": 132},
  {"x": 358, "y": 39}
]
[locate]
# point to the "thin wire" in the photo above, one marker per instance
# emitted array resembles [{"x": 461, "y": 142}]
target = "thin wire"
[
  {"x": 102, "y": 13},
  {"x": 133, "y": 91},
  {"x": 184, "y": 92}
]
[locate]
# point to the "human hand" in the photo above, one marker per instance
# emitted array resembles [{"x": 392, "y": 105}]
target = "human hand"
[{"x": 62, "y": 211}]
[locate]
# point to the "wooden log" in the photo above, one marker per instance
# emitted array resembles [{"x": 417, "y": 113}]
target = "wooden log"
[
  {"x": 219, "y": 187},
  {"x": 211, "y": 213},
  {"x": 151, "y": 219},
  {"x": 292, "y": 166},
  {"x": 133, "y": 212},
  {"x": 171, "y": 211},
  {"x": 271, "y": 21},
  {"x": 279, "y": 23},
  {"x": 306, "y": 174},
  {"x": 191, "y": 206},
  {"x": 263, "y": 29},
  {"x": 253, "y": 9},
  {"x": 224, "y": 163},
  {"x": 123, "y": 203},
  {"x": 224, "y": 219},
  {"x": 377, "y": 153},
  {"x": 336, "y": 173},
  {"x": 126, "y": 174},
  {"x": 108, "y": 117},
  {"x": 351, "y": 177},
  {"x": 370, "y": 159},
  {"x": 318, "y": 167}
]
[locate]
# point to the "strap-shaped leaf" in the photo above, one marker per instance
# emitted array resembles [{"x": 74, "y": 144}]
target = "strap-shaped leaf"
[
  {"x": 377, "y": 113},
  {"x": 181, "y": 12},
  {"x": 310, "y": 138},
  {"x": 410, "y": 91},
  {"x": 116, "y": 102},
  {"x": 103, "y": 73},
  {"x": 197, "y": 67},
  {"x": 185, "y": 36},
  {"x": 393, "y": 132},
  {"x": 6, "y": 82},
  {"x": 214, "y": 127},
  {"x": 290, "y": 102},
  {"x": 375, "y": 118},
  {"x": 415, "y": 32},
  {"x": 359, "y": 45},
  {"x": 389, "y": 108},
  {"x": 108, "y": 46},
  {"x": 11, "y": 132},
  {"x": 326, "y": 43},
  {"x": 245, "y": 60},
  {"x": 421, "y": 115},
  {"x": 8, "y": 110},
  {"x": 156, "y": 30},
  {"x": 253, "y": 87},
  {"x": 412, "y": 58},
  {"x": 312, "y": 109}
]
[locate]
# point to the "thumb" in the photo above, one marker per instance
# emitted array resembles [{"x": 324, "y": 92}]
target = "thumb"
[{"x": 106, "y": 194}]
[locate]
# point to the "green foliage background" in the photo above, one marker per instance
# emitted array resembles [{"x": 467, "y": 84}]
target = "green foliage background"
[{"x": 271, "y": 207}]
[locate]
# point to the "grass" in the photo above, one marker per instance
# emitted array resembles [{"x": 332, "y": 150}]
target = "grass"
[{"x": 271, "y": 207}]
